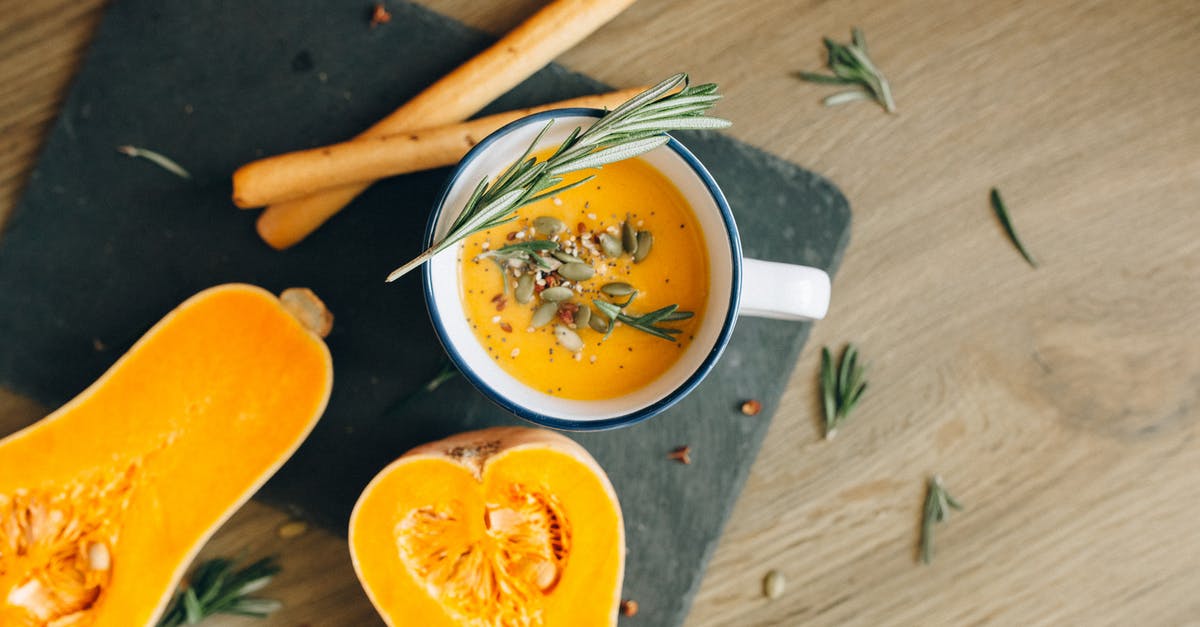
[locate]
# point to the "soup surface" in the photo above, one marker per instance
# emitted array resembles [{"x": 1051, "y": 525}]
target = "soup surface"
[{"x": 580, "y": 240}]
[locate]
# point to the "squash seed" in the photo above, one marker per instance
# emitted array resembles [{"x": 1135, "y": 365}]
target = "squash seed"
[
  {"x": 548, "y": 225},
  {"x": 645, "y": 240},
  {"x": 577, "y": 271},
  {"x": 773, "y": 584},
  {"x": 556, "y": 294},
  {"x": 566, "y": 257},
  {"x": 610, "y": 245},
  {"x": 544, "y": 314},
  {"x": 617, "y": 289},
  {"x": 582, "y": 317},
  {"x": 568, "y": 339},
  {"x": 598, "y": 324},
  {"x": 524, "y": 291},
  {"x": 628, "y": 237},
  {"x": 98, "y": 556}
]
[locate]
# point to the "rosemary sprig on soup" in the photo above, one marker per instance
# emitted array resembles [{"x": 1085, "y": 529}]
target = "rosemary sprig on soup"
[{"x": 635, "y": 127}]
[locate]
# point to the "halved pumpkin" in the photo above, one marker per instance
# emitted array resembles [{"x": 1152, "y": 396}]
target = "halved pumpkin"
[
  {"x": 104, "y": 503},
  {"x": 495, "y": 528}
]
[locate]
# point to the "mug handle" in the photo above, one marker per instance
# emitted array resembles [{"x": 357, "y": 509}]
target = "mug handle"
[{"x": 783, "y": 291}]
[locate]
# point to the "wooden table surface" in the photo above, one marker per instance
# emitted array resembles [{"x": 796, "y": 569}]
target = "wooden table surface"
[{"x": 1061, "y": 405}]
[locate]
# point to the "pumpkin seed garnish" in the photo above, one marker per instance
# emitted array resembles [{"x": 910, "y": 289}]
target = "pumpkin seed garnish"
[
  {"x": 610, "y": 245},
  {"x": 568, "y": 339},
  {"x": 583, "y": 317},
  {"x": 526, "y": 252},
  {"x": 598, "y": 325},
  {"x": 524, "y": 291},
  {"x": 628, "y": 237},
  {"x": 617, "y": 289},
  {"x": 548, "y": 225},
  {"x": 556, "y": 294},
  {"x": 577, "y": 271},
  {"x": 645, "y": 239},
  {"x": 544, "y": 314},
  {"x": 773, "y": 584}
]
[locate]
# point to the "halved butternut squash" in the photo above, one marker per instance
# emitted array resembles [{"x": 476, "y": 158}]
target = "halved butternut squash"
[
  {"x": 104, "y": 503},
  {"x": 502, "y": 527}
]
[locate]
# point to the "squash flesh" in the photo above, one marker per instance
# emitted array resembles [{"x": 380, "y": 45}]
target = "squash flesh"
[
  {"x": 528, "y": 536},
  {"x": 200, "y": 412}
]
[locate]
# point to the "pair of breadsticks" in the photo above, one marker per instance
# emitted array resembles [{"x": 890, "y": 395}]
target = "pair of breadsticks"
[{"x": 301, "y": 190}]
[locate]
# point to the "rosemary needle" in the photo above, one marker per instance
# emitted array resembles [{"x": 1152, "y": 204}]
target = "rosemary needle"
[
  {"x": 852, "y": 65},
  {"x": 161, "y": 161},
  {"x": 1006, "y": 222},
  {"x": 937, "y": 509},
  {"x": 841, "y": 387}
]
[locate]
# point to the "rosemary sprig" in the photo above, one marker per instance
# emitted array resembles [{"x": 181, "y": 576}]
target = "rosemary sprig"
[
  {"x": 635, "y": 127},
  {"x": 851, "y": 65},
  {"x": 216, "y": 588},
  {"x": 842, "y": 388},
  {"x": 1006, "y": 222},
  {"x": 523, "y": 251},
  {"x": 937, "y": 509},
  {"x": 161, "y": 161},
  {"x": 646, "y": 323}
]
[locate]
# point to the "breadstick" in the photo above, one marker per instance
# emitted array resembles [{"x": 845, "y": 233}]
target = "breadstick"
[
  {"x": 305, "y": 172},
  {"x": 462, "y": 93}
]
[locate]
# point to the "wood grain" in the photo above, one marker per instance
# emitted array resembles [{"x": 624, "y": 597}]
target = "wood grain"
[{"x": 1059, "y": 404}]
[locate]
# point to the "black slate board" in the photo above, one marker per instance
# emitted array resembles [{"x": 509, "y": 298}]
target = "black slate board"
[{"x": 102, "y": 246}]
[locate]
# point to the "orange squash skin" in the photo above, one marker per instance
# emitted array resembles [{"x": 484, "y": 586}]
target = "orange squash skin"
[
  {"x": 476, "y": 470},
  {"x": 187, "y": 425}
]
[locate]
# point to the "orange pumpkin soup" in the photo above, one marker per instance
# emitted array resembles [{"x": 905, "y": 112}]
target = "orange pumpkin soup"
[{"x": 592, "y": 293}]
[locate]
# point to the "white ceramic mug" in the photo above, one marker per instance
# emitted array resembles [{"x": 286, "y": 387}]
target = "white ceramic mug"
[{"x": 737, "y": 286}]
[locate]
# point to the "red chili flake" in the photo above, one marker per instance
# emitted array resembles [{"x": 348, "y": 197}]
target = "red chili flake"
[
  {"x": 552, "y": 280},
  {"x": 511, "y": 236},
  {"x": 380, "y": 15},
  {"x": 500, "y": 301},
  {"x": 506, "y": 327},
  {"x": 537, "y": 289},
  {"x": 581, "y": 227},
  {"x": 751, "y": 407},
  {"x": 682, "y": 454},
  {"x": 566, "y": 313},
  {"x": 629, "y": 607}
]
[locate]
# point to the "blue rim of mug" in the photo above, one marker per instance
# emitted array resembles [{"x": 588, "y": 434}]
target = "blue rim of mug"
[{"x": 638, "y": 415}]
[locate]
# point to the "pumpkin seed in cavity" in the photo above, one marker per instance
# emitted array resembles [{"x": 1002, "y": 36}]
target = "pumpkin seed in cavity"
[
  {"x": 628, "y": 237},
  {"x": 645, "y": 240},
  {"x": 566, "y": 257},
  {"x": 544, "y": 314},
  {"x": 610, "y": 245},
  {"x": 568, "y": 339},
  {"x": 549, "y": 225},
  {"x": 598, "y": 324},
  {"x": 556, "y": 294},
  {"x": 583, "y": 316},
  {"x": 617, "y": 289},
  {"x": 524, "y": 291},
  {"x": 577, "y": 271}
]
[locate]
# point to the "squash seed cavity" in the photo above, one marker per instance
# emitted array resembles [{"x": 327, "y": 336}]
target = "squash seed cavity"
[
  {"x": 56, "y": 548},
  {"x": 496, "y": 577}
]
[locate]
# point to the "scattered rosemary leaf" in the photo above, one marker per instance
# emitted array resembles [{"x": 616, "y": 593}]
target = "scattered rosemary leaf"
[
  {"x": 216, "y": 588},
  {"x": 159, "y": 160},
  {"x": 851, "y": 65},
  {"x": 937, "y": 509},
  {"x": 841, "y": 387},
  {"x": 1006, "y": 222}
]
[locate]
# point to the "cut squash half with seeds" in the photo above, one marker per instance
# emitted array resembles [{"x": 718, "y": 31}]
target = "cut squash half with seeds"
[
  {"x": 104, "y": 503},
  {"x": 504, "y": 527}
]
